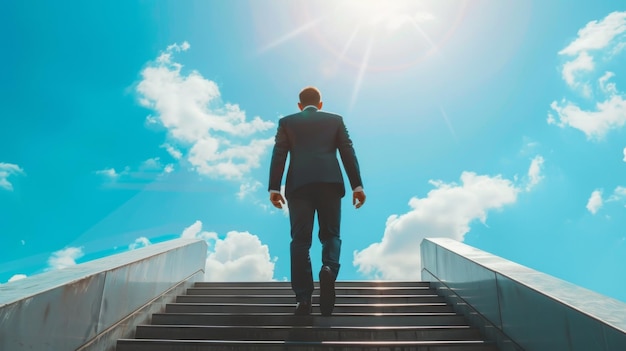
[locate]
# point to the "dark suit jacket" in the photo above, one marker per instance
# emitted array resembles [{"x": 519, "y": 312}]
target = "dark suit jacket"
[{"x": 312, "y": 139}]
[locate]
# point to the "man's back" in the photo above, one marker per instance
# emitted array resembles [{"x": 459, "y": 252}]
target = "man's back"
[
  {"x": 312, "y": 131},
  {"x": 312, "y": 138}
]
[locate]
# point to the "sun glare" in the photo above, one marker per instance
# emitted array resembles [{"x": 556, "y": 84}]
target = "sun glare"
[
  {"x": 375, "y": 35},
  {"x": 395, "y": 34},
  {"x": 387, "y": 15}
]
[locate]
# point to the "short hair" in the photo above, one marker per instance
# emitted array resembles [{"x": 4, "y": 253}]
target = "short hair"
[{"x": 310, "y": 96}]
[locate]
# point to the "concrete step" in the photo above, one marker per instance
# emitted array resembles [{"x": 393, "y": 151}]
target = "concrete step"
[
  {"x": 289, "y": 308},
  {"x": 358, "y": 299},
  {"x": 285, "y": 290},
  {"x": 307, "y": 333},
  {"x": 230, "y": 345},
  {"x": 352, "y": 319},
  {"x": 255, "y": 316},
  {"x": 341, "y": 283}
]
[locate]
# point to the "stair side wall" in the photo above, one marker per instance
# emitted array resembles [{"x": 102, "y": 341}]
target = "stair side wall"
[
  {"x": 79, "y": 305},
  {"x": 535, "y": 311}
]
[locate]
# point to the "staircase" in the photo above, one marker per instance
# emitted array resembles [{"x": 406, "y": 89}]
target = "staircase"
[{"x": 259, "y": 316}]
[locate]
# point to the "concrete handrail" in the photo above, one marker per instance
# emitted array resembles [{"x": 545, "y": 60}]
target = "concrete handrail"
[
  {"x": 69, "y": 308},
  {"x": 533, "y": 310}
]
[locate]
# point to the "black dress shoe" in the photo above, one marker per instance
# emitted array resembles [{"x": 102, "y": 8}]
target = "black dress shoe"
[
  {"x": 327, "y": 291},
  {"x": 303, "y": 308}
]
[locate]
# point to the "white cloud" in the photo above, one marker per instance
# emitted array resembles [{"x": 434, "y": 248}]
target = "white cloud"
[
  {"x": 595, "y": 202},
  {"x": 150, "y": 119},
  {"x": 220, "y": 138},
  {"x": 165, "y": 57},
  {"x": 17, "y": 277},
  {"x": 248, "y": 188},
  {"x": 597, "y": 35},
  {"x": 603, "y": 39},
  {"x": 148, "y": 170},
  {"x": 529, "y": 146},
  {"x": 240, "y": 256},
  {"x": 195, "y": 231},
  {"x": 178, "y": 48},
  {"x": 174, "y": 152},
  {"x": 534, "y": 172},
  {"x": 618, "y": 194},
  {"x": 65, "y": 258},
  {"x": 618, "y": 48},
  {"x": 582, "y": 63},
  {"x": 609, "y": 114},
  {"x": 109, "y": 172},
  {"x": 139, "y": 243},
  {"x": 151, "y": 164},
  {"x": 7, "y": 169},
  {"x": 447, "y": 211},
  {"x": 231, "y": 163},
  {"x": 625, "y": 154},
  {"x": 609, "y": 88}
]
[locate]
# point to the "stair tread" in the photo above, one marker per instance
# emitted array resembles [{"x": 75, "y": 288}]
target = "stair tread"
[
  {"x": 357, "y": 327},
  {"x": 317, "y": 295},
  {"x": 358, "y": 290},
  {"x": 337, "y": 342},
  {"x": 406, "y": 304},
  {"x": 340, "y": 283},
  {"x": 348, "y": 314},
  {"x": 288, "y": 288},
  {"x": 308, "y": 333}
]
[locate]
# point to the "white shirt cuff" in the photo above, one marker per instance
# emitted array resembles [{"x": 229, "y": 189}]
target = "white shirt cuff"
[{"x": 274, "y": 191}]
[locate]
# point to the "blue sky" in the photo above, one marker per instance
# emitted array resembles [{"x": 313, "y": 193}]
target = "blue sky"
[{"x": 497, "y": 123}]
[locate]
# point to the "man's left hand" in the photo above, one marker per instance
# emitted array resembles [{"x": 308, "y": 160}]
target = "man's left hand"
[{"x": 358, "y": 198}]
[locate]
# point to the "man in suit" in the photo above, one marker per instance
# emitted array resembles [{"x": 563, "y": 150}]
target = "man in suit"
[{"x": 314, "y": 184}]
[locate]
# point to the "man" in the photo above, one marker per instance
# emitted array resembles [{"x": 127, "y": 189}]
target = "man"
[{"x": 314, "y": 184}]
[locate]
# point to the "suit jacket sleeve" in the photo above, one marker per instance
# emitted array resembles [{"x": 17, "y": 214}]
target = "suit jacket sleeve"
[
  {"x": 279, "y": 157},
  {"x": 348, "y": 156}
]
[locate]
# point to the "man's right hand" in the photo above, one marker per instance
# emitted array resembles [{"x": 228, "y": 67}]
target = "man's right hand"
[
  {"x": 277, "y": 200},
  {"x": 358, "y": 198}
]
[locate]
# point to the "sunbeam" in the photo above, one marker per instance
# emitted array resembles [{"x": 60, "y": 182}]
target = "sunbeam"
[
  {"x": 348, "y": 43},
  {"x": 345, "y": 50},
  {"x": 422, "y": 33},
  {"x": 294, "y": 33},
  {"x": 359, "y": 79},
  {"x": 445, "y": 118}
]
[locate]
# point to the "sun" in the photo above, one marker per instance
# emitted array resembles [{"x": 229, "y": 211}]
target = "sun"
[{"x": 380, "y": 14}]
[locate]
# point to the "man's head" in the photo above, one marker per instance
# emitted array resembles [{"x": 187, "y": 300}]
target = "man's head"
[{"x": 310, "y": 96}]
